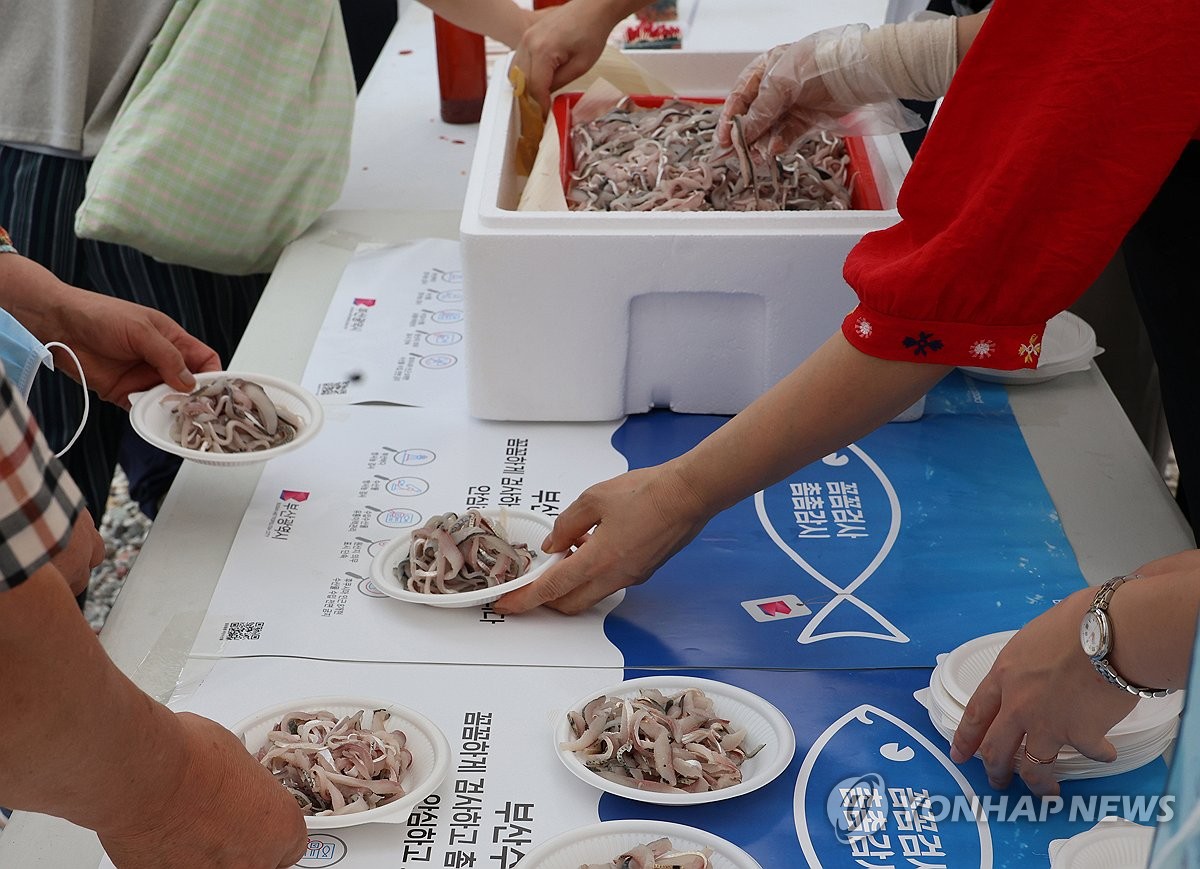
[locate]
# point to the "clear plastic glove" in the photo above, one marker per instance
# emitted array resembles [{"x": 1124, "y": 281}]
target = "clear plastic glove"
[{"x": 824, "y": 81}]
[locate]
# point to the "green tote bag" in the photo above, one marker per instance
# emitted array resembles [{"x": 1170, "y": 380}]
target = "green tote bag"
[{"x": 233, "y": 139}]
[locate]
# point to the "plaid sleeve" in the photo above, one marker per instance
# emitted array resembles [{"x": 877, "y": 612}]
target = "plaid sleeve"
[
  {"x": 38, "y": 499},
  {"x": 6, "y": 245}
]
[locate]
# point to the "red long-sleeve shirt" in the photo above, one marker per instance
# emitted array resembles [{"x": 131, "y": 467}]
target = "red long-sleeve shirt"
[{"x": 1060, "y": 126}]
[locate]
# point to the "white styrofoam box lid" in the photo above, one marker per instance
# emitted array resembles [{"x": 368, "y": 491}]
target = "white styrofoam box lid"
[{"x": 1068, "y": 344}]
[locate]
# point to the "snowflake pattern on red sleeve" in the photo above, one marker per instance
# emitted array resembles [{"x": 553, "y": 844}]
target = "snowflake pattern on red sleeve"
[{"x": 970, "y": 344}]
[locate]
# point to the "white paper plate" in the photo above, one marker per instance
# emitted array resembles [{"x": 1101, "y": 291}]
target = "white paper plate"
[
  {"x": 966, "y": 666},
  {"x": 1114, "y": 843},
  {"x": 151, "y": 419},
  {"x": 1072, "y": 766},
  {"x": 942, "y": 697},
  {"x": 1132, "y": 751},
  {"x": 1068, "y": 344},
  {"x": 1149, "y": 714},
  {"x": 429, "y": 748},
  {"x": 601, "y": 843},
  {"x": 519, "y": 526},
  {"x": 763, "y": 723}
]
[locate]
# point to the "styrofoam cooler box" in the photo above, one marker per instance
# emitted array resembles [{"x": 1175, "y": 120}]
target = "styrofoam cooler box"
[{"x": 591, "y": 316}]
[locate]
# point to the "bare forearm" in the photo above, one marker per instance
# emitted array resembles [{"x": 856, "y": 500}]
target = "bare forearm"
[
  {"x": 499, "y": 19},
  {"x": 33, "y": 295},
  {"x": 1154, "y": 628},
  {"x": 590, "y": 19},
  {"x": 833, "y": 398},
  {"x": 81, "y": 735},
  {"x": 611, "y": 11}
]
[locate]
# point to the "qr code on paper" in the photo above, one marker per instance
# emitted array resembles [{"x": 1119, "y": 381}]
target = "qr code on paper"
[
  {"x": 339, "y": 387},
  {"x": 242, "y": 631}
]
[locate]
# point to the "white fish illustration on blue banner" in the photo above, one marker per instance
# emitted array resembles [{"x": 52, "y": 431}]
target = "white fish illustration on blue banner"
[
  {"x": 827, "y": 505},
  {"x": 882, "y": 813}
]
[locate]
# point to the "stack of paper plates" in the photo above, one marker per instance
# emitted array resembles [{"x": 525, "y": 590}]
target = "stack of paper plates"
[
  {"x": 1114, "y": 843},
  {"x": 1139, "y": 738}
]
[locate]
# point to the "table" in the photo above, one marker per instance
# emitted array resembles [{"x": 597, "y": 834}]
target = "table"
[{"x": 1112, "y": 502}]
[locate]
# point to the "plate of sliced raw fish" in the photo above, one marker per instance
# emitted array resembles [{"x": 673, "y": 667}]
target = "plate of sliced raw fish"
[
  {"x": 637, "y": 845},
  {"x": 674, "y": 740},
  {"x": 464, "y": 559},
  {"x": 230, "y": 418},
  {"x": 348, "y": 760}
]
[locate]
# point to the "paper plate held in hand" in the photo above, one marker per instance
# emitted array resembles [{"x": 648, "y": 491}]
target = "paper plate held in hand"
[
  {"x": 151, "y": 418},
  {"x": 517, "y": 526}
]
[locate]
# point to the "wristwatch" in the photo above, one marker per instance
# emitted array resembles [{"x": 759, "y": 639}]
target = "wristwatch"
[{"x": 1096, "y": 637}]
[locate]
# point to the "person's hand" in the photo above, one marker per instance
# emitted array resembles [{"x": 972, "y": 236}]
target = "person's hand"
[
  {"x": 125, "y": 347},
  {"x": 228, "y": 812},
  {"x": 830, "y": 81},
  {"x": 84, "y": 550},
  {"x": 640, "y": 519},
  {"x": 783, "y": 93},
  {"x": 1043, "y": 689},
  {"x": 560, "y": 45},
  {"x": 775, "y": 93}
]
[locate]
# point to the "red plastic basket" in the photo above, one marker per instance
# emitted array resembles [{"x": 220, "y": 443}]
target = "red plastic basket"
[{"x": 865, "y": 196}]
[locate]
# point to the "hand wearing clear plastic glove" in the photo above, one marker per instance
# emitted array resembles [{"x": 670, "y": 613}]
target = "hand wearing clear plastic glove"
[{"x": 844, "y": 80}]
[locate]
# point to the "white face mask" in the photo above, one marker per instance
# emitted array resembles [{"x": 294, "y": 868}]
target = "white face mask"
[{"x": 23, "y": 355}]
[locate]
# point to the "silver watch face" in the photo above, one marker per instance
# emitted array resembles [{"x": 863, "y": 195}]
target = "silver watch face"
[{"x": 1091, "y": 634}]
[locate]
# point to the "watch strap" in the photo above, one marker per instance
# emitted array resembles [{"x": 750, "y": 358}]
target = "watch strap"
[
  {"x": 1103, "y": 667},
  {"x": 1105, "y": 592},
  {"x": 1114, "y": 678}
]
